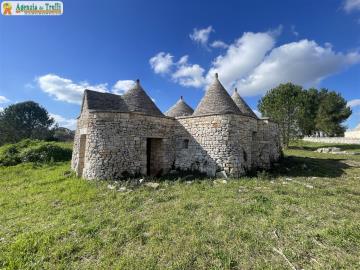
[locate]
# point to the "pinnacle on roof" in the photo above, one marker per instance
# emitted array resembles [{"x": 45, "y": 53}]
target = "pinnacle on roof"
[
  {"x": 242, "y": 105},
  {"x": 216, "y": 101},
  {"x": 138, "y": 101},
  {"x": 181, "y": 108}
]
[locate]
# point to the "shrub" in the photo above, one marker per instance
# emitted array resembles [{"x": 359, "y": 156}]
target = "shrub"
[
  {"x": 9, "y": 155},
  {"x": 46, "y": 153},
  {"x": 33, "y": 151}
]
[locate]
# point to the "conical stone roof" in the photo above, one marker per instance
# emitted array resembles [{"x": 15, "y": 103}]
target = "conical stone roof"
[
  {"x": 98, "y": 101},
  {"x": 244, "y": 108},
  {"x": 216, "y": 101},
  {"x": 181, "y": 108},
  {"x": 137, "y": 100}
]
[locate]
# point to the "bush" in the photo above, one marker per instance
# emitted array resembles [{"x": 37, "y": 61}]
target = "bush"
[
  {"x": 46, "y": 153},
  {"x": 34, "y": 151}
]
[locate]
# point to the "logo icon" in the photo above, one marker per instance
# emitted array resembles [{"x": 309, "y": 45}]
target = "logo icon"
[
  {"x": 32, "y": 8},
  {"x": 6, "y": 8}
]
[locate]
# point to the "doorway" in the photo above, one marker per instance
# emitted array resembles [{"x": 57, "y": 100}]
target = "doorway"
[
  {"x": 82, "y": 148},
  {"x": 154, "y": 156}
]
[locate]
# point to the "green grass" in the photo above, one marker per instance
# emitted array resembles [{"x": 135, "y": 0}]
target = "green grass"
[{"x": 49, "y": 219}]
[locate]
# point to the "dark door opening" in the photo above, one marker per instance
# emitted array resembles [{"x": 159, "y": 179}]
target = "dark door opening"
[
  {"x": 82, "y": 147},
  {"x": 154, "y": 157}
]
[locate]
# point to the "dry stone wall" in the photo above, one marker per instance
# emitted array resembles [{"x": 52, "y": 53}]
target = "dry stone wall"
[
  {"x": 116, "y": 144},
  {"x": 338, "y": 140},
  {"x": 208, "y": 148}
]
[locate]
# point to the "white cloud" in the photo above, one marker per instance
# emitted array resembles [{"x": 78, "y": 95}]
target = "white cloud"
[
  {"x": 241, "y": 57},
  {"x": 64, "y": 122},
  {"x": 65, "y": 89},
  {"x": 183, "y": 60},
  {"x": 29, "y": 85},
  {"x": 161, "y": 63},
  {"x": 353, "y": 103},
  {"x": 122, "y": 86},
  {"x": 201, "y": 36},
  {"x": 304, "y": 62},
  {"x": 219, "y": 44},
  {"x": 3, "y": 99},
  {"x": 1, "y": 109},
  {"x": 254, "y": 64},
  {"x": 293, "y": 31},
  {"x": 188, "y": 75},
  {"x": 351, "y": 5}
]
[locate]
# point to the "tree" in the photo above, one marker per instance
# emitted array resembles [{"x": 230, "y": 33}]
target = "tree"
[
  {"x": 332, "y": 112},
  {"x": 309, "y": 105},
  {"x": 24, "y": 120},
  {"x": 301, "y": 112},
  {"x": 282, "y": 105}
]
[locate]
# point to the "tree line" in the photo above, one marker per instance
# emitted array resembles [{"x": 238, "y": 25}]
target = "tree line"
[
  {"x": 29, "y": 120},
  {"x": 300, "y": 112}
]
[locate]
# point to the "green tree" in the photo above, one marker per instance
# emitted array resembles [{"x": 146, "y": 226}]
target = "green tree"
[
  {"x": 282, "y": 104},
  {"x": 24, "y": 120},
  {"x": 331, "y": 114},
  {"x": 309, "y": 105}
]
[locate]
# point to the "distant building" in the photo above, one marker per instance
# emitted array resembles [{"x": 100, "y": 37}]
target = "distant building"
[
  {"x": 353, "y": 134},
  {"x": 120, "y": 136}
]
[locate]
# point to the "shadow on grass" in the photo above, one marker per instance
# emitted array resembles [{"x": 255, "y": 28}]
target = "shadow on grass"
[
  {"x": 310, "y": 167},
  {"x": 288, "y": 166}
]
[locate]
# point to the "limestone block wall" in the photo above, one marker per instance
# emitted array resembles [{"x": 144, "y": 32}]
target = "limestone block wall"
[
  {"x": 233, "y": 143},
  {"x": 338, "y": 140},
  {"x": 272, "y": 137},
  {"x": 208, "y": 148},
  {"x": 243, "y": 143},
  {"x": 116, "y": 144},
  {"x": 212, "y": 144},
  {"x": 113, "y": 145},
  {"x": 81, "y": 130},
  {"x": 255, "y": 143},
  {"x": 353, "y": 134}
]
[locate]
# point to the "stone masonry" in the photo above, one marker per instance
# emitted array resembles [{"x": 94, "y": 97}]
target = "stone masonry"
[{"x": 121, "y": 136}]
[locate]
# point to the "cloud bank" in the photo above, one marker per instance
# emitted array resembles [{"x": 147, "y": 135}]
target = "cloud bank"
[
  {"x": 64, "y": 122},
  {"x": 3, "y": 99},
  {"x": 353, "y": 103},
  {"x": 67, "y": 90},
  {"x": 352, "y": 5},
  {"x": 254, "y": 64}
]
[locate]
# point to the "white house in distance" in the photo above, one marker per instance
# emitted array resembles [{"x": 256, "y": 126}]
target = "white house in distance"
[{"x": 353, "y": 134}]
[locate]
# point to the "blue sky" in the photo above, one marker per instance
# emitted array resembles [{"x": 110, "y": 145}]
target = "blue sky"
[{"x": 174, "y": 47}]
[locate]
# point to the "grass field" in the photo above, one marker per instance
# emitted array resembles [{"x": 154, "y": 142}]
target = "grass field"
[{"x": 305, "y": 214}]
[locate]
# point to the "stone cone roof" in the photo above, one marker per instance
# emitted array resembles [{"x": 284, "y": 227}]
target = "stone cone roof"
[
  {"x": 137, "y": 100},
  {"x": 103, "y": 101},
  {"x": 244, "y": 108},
  {"x": 216, "y": 101},
  {"x": 181, "y": 108}
]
